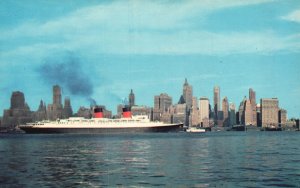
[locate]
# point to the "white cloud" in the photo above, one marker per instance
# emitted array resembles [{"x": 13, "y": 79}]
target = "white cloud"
[
  {"x": 142, "y": 27},
  {"x": 293, "y": 16}
]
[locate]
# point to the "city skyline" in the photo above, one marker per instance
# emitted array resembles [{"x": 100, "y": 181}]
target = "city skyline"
[{"x": 150, "y": 47}]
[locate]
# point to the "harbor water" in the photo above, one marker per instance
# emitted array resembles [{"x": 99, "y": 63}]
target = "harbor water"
[{"x": 216, "y": 159}]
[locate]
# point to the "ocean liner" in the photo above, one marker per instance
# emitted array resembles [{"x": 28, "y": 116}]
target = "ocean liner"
[{"x": 99, "y": 125}]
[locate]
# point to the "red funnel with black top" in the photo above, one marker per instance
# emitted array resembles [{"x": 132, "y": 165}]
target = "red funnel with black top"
[
  {"x": 126, "y": 112},
  {"x": 98, "y": 112}
]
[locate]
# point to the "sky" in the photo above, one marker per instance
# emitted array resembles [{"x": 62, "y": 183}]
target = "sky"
[{"x": 101, "y": 49}]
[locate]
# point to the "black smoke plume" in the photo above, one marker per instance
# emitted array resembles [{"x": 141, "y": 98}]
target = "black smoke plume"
[{"x": 67, "y": 70}]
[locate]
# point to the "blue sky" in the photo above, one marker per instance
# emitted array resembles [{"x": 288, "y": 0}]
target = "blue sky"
[{"x": 150, "y": 47}]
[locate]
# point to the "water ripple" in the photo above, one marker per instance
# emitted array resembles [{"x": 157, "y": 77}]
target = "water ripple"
[{"x": 148, "y": 160}]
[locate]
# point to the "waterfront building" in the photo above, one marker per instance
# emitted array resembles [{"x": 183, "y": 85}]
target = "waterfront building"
[
  {"x": 258, "y": 115},
  {"x": 41, "y": 113},
  {"x": 242, "y": 112},
  {"x": 216, "y": 103},
  {"x": 188, "y": 94},
  {"x": 252, "y": 98},
  {"x": 248, "y": 113},
  {"x": 68, "y": 112},
  {"x": 18, "y": 113},
  {"x": 131, "y": 99},
  {"x": 161, "y": 104},
  {"x": 120, "y": 110},
  {"x": 194, "y": 114},
  {"x": 282, "y": 115},
  {"x": 269, "y": 112},
  {"x": 55, "y": 110},
  {"x": 141, "y": 110},
  {"x": 232, "y": 115},
  {"x": 204, "y": 110},
  {"x": 57, "y": 95},
  {"x": 179, "y": 114},
  {"x": 84, "y": 112},
  {"x": 225, "y": 109}
]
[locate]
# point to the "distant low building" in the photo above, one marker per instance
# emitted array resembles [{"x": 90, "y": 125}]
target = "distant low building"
[
  {"x": 141, "y": 110},
  {"x": 84, "y": 112}
]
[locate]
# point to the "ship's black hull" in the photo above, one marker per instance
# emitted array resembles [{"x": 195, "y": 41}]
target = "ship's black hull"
[{"x": 35, "y": 130}]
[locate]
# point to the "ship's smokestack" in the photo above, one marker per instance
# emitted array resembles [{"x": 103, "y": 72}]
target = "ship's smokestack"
[
  {"x": 98, "y": 112},
  {"x": 126, "y": 112}
]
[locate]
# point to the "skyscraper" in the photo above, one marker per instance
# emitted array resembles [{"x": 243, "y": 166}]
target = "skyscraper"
[
  {"x": 194, "y": 114},
  {"x": 56, "y": 95},
  {"x": 252, "y": 98},
  {"x": 282, "y": 115},
  {"x": 232, "y": 116},
  {"x": 269, "y": 112},
  {"x": 242, "y": 112},
  {"x": 41, "y": 113},
  {"x": 131, "y": 99},
  {"x": 188, "y": 94},
  {"x": 248, "y": 113},
  {"x": 204, "y": 111},
  {"x": 161, "y": 104},
  {"x": 216, "y": 102},
  {"x": 17, "y": 100},
  {"x": 55, "y": 110},
  {"x": 225, "y": 108},
  {"x": 18, "y": 113},
  {"x": 68, "y": 112}
]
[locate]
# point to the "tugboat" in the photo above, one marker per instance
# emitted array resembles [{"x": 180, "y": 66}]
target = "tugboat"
[{"x": 101, "y": 125}]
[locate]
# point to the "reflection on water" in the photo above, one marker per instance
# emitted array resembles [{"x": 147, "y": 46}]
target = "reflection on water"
[{"x": 259, "y": 159}]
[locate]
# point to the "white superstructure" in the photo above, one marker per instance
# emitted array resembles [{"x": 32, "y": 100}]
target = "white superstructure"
[{"x": 79, "y": 122}]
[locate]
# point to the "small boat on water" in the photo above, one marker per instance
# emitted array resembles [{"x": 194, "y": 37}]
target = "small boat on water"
[
  {"x": 271, "y": 128},
  {"x": 195, "y": 130}
]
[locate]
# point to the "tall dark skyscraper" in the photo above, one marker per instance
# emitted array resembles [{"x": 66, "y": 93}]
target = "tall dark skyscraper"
[
  {"x": 241, "y": 119},
  {"x": 225, "y": 108},
  {"x": 56, "y": 95},
  {"x": 232, "y": 117},
  {"x": 131, "y": 99},
  {"x": 188, "y": 94},
  {"x": 216, "y": 102},
  {"x": 17, "y": 100},
  {"x": 55, "y": 110},
  {"x": 68, "y": 112}
]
